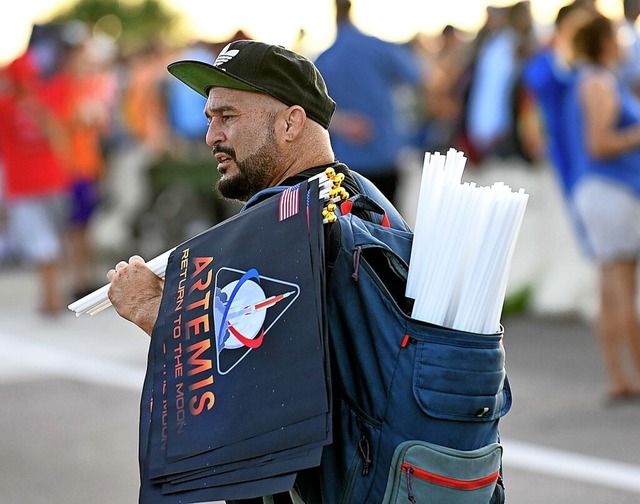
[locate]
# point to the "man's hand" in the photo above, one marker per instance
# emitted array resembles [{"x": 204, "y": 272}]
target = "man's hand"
[{"x": 136, "y": 292}]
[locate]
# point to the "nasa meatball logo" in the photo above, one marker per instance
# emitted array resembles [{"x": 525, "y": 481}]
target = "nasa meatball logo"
[{"x": 246, "y": 306}]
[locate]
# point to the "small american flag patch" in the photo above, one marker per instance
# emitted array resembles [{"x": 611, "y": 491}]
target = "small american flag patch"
[{"x": 289, "y": 202}]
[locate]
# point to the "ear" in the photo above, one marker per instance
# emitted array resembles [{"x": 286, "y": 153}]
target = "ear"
[{"x": 295, "y": 118}]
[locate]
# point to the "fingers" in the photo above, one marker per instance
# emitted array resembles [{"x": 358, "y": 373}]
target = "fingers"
[{"x": 123, "y": 264}]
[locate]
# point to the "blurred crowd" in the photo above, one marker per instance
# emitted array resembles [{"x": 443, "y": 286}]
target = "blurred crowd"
[{"x": 93, "y": 137}]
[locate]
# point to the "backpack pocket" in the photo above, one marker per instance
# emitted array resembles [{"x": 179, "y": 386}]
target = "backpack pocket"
[
  {"x": 460, "y": 376},
  {"x": 423, "y": 472}
]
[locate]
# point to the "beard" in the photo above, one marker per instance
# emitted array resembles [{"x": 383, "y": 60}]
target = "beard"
[{"x": 254, "y": 172}]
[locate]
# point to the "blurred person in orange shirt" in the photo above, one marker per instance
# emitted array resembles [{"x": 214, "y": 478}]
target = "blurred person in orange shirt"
[
  {"x": 82, "y": 96},
  {"x": 35, "y": 179}
]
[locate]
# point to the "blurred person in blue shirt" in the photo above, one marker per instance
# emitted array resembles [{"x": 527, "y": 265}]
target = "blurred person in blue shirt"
[
  {"x": 491, "y": 118},
  {"x": 548, "y": 74},
  {"x": 185, "y": 107},
  {"x": 629, "y": 37},
  {"x": 362, "y": 73}
]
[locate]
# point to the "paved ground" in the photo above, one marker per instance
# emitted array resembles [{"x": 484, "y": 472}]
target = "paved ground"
[{"x": 69, "y": 390}]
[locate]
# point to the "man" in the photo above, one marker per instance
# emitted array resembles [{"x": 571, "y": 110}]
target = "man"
[
  {"x": 363, "y": 74},
  {"x": 268, "y": 115}
]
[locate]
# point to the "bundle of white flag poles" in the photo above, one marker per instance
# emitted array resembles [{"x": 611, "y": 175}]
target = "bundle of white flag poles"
[
  {"x": 330, "y": 191},
  {"x": 464, "y": 239},
  {"x": 97, "y": 301}
]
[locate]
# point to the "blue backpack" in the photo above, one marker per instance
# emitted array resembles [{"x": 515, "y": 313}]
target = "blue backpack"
[{"x": 416, "y": 406}]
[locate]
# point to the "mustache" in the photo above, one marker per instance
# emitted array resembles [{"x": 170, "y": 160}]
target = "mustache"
[{"x": 222, "y": 149}]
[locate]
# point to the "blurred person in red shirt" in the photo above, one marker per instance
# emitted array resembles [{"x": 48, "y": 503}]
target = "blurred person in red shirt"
[{"x": 35, "y": 179}]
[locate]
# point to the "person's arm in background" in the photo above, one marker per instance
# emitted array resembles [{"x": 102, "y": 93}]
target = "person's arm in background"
[{"x": 600, "y": 103}]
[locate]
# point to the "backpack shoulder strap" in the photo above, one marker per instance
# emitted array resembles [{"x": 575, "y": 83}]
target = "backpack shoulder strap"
[
  {"x": 371, "y": 199},
  {"x": 262, "y": 195}
]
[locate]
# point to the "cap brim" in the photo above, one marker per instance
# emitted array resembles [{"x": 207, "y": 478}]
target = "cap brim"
[{"x": 201, "y": 76}]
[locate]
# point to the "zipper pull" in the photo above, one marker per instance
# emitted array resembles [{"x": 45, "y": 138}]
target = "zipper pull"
[
  {"x": 363, "y": 447},
  {"x": 356, "y": 262},
  {"x": 410, "y": 495},
  {"x": 406, "y": 340}
]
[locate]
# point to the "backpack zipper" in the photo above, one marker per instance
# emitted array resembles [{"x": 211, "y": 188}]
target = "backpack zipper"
[{"x": 413, "y": 471}]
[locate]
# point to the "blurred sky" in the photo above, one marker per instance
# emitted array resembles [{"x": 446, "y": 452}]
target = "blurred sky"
[{"x": 278, "y": 21}]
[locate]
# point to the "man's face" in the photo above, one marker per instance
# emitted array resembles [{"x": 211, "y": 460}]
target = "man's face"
[{"x": 242, "y": 135}]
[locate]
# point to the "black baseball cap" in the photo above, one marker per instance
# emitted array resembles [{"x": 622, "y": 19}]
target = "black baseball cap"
[{"x": 250, "y": 65}]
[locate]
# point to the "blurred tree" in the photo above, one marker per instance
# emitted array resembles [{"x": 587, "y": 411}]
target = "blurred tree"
[{"x": 133, "y": 23}]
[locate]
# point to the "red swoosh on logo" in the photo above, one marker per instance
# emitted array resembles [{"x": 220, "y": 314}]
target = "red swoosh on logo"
[{"x": 248, "y": 342}]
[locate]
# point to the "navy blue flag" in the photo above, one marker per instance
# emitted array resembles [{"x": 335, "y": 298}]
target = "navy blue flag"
[{"x": 236, "y": 396}]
